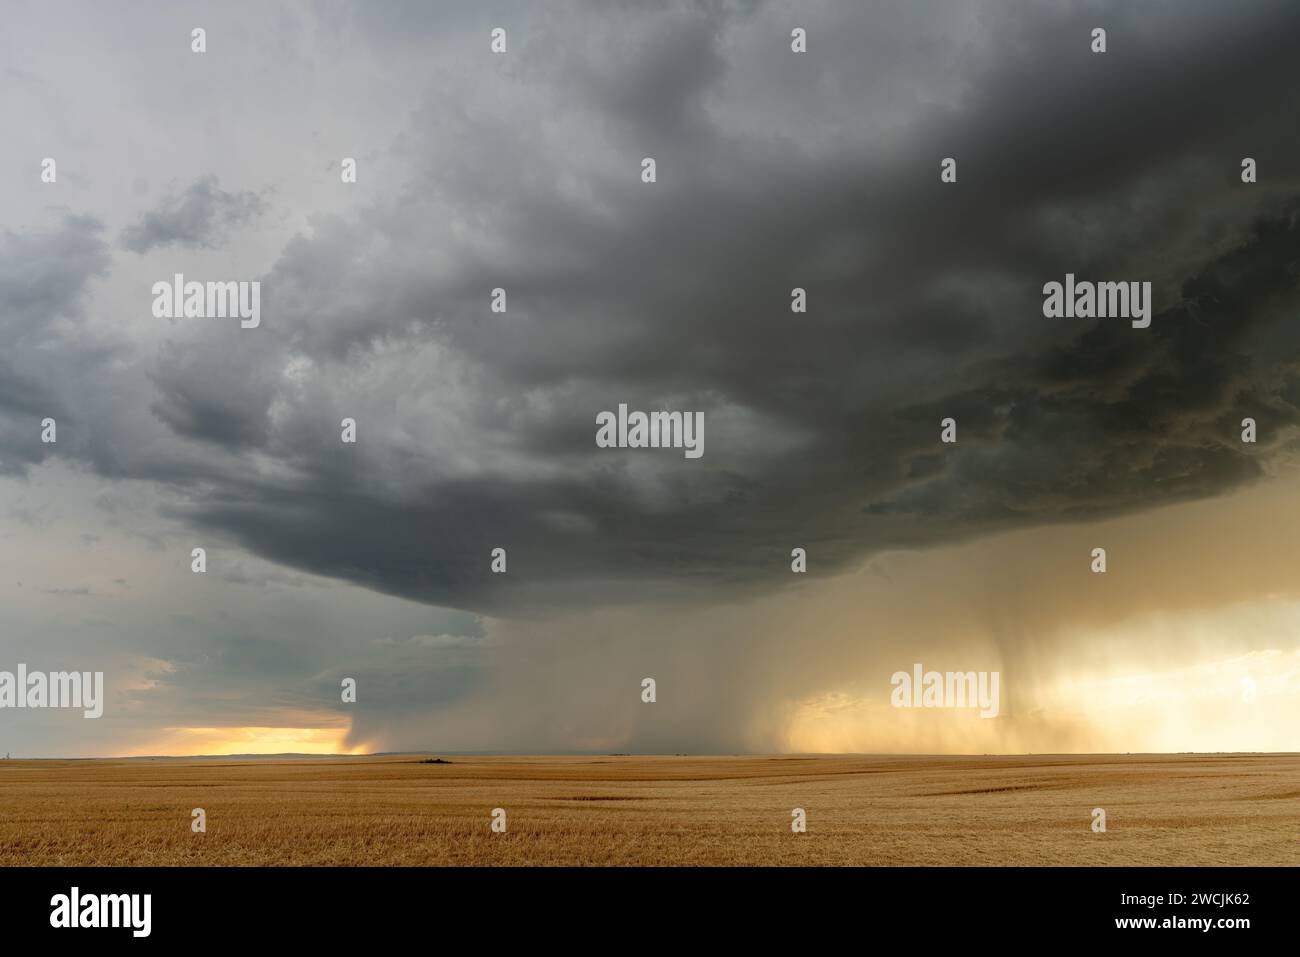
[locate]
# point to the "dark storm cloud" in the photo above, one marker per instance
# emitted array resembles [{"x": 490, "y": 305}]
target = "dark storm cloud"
[
  {"x": 225, "y": 403},
  {"x": 476, "y": 430},
  {"x": 198, "y": 218},
  {"x": 44, "y": 281},
  {"x": 1111, "y": 420}
]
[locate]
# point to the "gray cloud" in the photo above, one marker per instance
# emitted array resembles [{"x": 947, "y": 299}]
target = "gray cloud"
[
  {"x": 198, "y": 218},
  {"x": 45, "y": 278},
  {"x": 822, "y": 428},
  {"x": 476, "y": 428}
]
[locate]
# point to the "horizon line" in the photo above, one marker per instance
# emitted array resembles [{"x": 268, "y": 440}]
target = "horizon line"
[{"x": 250, "y": 755}]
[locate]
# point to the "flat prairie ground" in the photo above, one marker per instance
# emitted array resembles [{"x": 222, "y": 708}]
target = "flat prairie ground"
[{"x": 1240, "y": 809}]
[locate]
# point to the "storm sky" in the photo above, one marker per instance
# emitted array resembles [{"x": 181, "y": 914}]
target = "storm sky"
[{"x": 476, "y": 429}]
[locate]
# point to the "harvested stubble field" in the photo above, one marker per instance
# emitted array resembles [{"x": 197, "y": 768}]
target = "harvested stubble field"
[{"x": 395, "y": 810}]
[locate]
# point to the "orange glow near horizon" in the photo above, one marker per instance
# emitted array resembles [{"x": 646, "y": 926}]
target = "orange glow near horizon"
[
  {"x": 179, "y": 742},
  {"x": 1249, "y": 702}
]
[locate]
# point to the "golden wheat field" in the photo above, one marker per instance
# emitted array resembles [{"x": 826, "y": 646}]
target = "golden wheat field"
[{"x": 399, "y": 810}]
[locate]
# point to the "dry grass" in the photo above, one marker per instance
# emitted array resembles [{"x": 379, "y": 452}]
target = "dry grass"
[{"x": 1161, "y": 809}]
